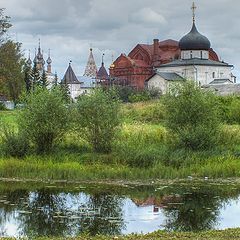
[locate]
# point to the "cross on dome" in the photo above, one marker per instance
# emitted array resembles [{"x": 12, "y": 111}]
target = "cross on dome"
[{"x": 194, "y": 11}]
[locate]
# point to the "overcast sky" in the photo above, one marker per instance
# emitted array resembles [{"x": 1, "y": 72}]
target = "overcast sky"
[{"x": 70, "y": 27}]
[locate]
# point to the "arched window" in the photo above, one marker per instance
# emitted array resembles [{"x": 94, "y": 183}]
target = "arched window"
[
  {"x": 213, "y": 74},
  {"x": 191, "y": 54},
  {"x": 201, "y": 54}
]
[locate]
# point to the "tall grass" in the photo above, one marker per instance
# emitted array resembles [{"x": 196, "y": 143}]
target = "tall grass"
[{"x": 140, "y": 151}]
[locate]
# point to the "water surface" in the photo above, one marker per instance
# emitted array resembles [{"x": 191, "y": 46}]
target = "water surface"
[{"x": 69, "y": 210}]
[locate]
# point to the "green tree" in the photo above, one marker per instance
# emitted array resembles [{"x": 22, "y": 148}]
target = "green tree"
[
  {"x": 192, "y": 115},
  {"x": 43, "y": 80},
  {"x": 55, "y": 82},
  {"x": 65, "y": 92},
  {"x": 45, "y": 118},
  {"x": 11, "y": 71},
  {"x": 28, "y": 77},
  {"x": 98, "y": 118},
  {"x": 36, "y": 76}
]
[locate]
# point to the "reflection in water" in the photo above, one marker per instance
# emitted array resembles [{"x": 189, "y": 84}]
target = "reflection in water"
[{"x": 54, "y": 211}]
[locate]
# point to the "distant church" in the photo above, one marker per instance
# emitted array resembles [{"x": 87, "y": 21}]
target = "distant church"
[
  {"x": 40, "y": 63},
  {"x": 191, "y": 58},
  {"x": 91, "y": 78},
  {"x": 196, "y": 62}
]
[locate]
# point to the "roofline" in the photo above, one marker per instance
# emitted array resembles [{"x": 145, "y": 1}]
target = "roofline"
[
  {"x": 181, "y": 78},
  {"x": 197, "y": 64}
]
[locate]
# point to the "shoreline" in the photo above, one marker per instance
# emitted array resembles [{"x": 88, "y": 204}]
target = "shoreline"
[{"x": 125, "y": 183}]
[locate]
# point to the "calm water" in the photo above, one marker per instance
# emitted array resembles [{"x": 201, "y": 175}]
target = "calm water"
[{"x": 63, "y": 210}]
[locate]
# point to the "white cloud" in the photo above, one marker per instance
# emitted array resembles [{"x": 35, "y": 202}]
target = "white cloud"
[
  {"x": 68, "y": 27},
  {"x": 147, "y": 16}
]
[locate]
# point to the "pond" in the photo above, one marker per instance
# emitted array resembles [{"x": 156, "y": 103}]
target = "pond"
[{"x": 69, "y": 210}]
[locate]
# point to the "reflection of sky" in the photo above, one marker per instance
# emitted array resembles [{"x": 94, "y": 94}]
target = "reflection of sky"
[
  {"x": 141, "y": 219},
  {"x": 137, "y": 219},
  {"x": 230, "y": 215}
]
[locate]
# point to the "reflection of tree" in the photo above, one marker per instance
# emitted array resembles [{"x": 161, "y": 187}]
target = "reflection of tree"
[
  {"x": 196, "y": 212},
  {"x": 108, "y": 217},
  {"x": 52, "y": 212},
  {"x": 13, "y": 201},
  {"x": 41, "y": 220}
]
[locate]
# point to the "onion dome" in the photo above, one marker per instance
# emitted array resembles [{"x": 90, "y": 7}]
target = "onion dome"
[
  {"x": 49, "y": 60},
  {"x": 194, "y": 41},
  {"x": 29, "y": 61}
]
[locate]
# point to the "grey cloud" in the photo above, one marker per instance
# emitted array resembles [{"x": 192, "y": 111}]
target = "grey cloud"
[{"x": 68, "y": 27}]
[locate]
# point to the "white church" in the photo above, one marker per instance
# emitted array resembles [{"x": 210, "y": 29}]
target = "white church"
[{"x": 194, "y": 64}]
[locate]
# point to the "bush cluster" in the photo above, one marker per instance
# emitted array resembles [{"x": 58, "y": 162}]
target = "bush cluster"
[
  {"x": 192, "y": 115},
  {"x": 192, "y": 119}
]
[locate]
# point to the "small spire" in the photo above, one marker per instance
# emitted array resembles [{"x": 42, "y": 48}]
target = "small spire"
[
  {"x": 49, "y": 52},
  {"x": 103, "y": 59},
  {"x": 39, "y": 43},
  {"x": 193, "y": 11}
]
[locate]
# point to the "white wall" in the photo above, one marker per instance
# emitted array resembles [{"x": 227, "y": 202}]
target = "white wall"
[
  {"x": 194, "y": 54},
  {"x": 199, "y": 73},
  {"x": 76, "y": 90},
  {"x": 158, "y": 83}
]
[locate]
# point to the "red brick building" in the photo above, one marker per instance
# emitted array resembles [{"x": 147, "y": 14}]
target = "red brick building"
[{"x": 138, "y": 66}]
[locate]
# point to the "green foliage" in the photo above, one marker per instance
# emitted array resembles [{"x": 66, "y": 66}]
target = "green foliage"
[
  {"x": 227, "y": 234},
  {"x": 98, "y": 118},
  {"x": 147, "y": 112},
  {"x": 234, "y": 112},
  {"x": 14, "y": 144},
  {"x": 28, "y": 78},
  {"x": 192, "y": 115},
  {"x": 11, "y": 74},
  {"x": 2, "y": 106},
  {"x": 140, "y": 146},
  {"x": 45, "y": 118},
  {"x": 43, "y": 80},
  {"x": 139, "y": 97},
  {"x": 129, "y": 94},
  {"x": 35, "y": 77},
  {"x": 64, "y": 88}
]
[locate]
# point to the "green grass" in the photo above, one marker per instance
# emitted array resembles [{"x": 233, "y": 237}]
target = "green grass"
[
  {"x": 229, "y": 234},
  {"x": 140, "y": 152},
  {"x": 8, "y": 117}
]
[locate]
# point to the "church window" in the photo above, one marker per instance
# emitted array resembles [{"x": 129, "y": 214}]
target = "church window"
[
  {"x": 191, "y": 54},
  {"x": 213, "y": 74},
  {"x": 201, "y": 54}
]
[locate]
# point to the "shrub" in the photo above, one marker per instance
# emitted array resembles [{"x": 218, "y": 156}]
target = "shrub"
[
  {"x": 147, "y": 112},
  {"x": 234, "y": 112},
  {"x": 14, "y": 144},
  {"x": 140, "y": 96},
  {"x": 192, "y": 115},
  {"x": 130, "y": 94},
  {"x": 2, "y": 106},
  {"x": 98, "y": 118},
  {"x": 44, "y": 119}
]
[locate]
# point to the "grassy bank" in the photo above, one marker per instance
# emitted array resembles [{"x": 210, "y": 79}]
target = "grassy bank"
[
  {"x": 232, "y": 234},
  {"x": 141, "y": 151}
]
